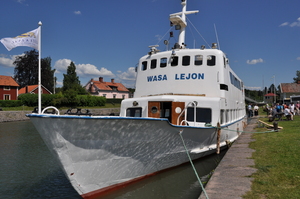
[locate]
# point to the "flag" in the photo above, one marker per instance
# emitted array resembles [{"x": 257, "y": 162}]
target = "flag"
[{"x": 30, "y": 39}]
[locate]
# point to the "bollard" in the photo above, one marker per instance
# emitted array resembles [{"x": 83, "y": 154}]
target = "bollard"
[{"x": 275, "y": 125}]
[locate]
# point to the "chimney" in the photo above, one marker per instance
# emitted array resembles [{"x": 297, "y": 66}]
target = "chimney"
[
  {"x": 101, "y": 79},
  {"x": 113, "y": 81}
]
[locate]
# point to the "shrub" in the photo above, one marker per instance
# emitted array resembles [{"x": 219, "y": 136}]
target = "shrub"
[{"x": 10, "y": 103}]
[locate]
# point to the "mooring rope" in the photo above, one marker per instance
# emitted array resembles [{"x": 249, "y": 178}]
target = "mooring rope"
[{"x": 187, "y": 152}]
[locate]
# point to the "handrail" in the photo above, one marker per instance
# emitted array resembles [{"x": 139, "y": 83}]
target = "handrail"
[
  {"x": 49, "y": 108},
  {"x": 195, "y": 106}
]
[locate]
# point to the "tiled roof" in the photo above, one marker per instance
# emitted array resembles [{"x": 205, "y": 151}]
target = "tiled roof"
[
  {"x": 270, "y": 95},
  {"x": 290, "y": 88},
  {"x": 7, "y": 81},
  {"x": 108, "y": 86},
  {"x": 30, "y": 88}
]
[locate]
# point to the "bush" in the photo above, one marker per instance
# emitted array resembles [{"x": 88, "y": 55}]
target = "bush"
[
  {"x": 10, "y": 103},
  {"x": 59, "y": 100}
]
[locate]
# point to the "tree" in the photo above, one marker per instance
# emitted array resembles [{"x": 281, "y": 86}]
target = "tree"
[
  {"x": 48, "y": 79},
  {"x": 26, "y": 70},
  {"x": 71, "y": 83},
  {"x": 296, "y": 79}
]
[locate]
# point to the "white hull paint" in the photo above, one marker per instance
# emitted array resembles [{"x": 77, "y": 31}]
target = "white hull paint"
[{"x": 98, "y": 152}]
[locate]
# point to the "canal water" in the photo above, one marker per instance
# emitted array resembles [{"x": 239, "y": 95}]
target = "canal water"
[{"x": 28, "y": 170}]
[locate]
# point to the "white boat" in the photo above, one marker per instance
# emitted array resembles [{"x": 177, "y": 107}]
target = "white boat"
[{"x": 179, "y": 92}]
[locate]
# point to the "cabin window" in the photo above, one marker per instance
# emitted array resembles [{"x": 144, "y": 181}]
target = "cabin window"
[
  {"x": 211, "y": 60},
  {"x": 144, "y": 65},
  {"x": 222, "y": 116},
  {"x": 104, "y": 95},
  {"x": 198, "y": 60},
  {"x": 186, "y": 60},
  {"x": 224, "y": 87},
  {"x": 153, "y": 63},
  {"x": 202, "y": 115},
  {"x": 224, "y": 59},
  {"x": 134, "y": 112},
  {"x": 174, "y": 61},
  {"x": 6, "y": 88},
  {"x": 163, "y": 62}
]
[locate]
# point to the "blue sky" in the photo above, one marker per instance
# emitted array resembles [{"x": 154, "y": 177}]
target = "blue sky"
[{"x": 106, "y": 38}]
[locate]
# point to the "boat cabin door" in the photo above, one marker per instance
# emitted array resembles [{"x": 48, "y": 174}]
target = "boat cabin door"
[{"x": 169, "y": 110}]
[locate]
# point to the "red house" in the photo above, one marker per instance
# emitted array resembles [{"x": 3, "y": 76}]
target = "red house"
[
  {"x": 33, "y": 89},
  {"x": 8, "y": 88}
]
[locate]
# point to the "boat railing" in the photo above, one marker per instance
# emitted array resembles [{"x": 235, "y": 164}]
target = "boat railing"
[
  {"x": 194, "y": 103},
  {"x": 55, "y": 110}
]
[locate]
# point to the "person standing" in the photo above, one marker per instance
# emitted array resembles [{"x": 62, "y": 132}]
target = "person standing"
[
  {"x": 288, "y": 113},
  {"x": 256, "y": 110}
]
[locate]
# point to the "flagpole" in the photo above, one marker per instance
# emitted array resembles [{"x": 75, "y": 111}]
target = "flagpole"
[{"x": 39, "y": 78}]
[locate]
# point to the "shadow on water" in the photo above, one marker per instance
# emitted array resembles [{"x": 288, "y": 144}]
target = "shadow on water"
[{"x": 28, "y": 170}]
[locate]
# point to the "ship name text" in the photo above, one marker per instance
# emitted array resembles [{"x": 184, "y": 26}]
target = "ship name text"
[{"x": 181, "y": 76}]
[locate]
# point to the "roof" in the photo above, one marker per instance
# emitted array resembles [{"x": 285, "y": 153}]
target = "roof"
[
  {"x": 270, "y": 95},
  {"x": 290, "y": 88},
  {"x": 30, "y": 89},
  {"x": 8, "y": 81},
  {"x": 108, "y": 86}
]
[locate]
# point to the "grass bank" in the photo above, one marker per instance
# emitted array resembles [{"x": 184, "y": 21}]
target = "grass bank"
[{"x": 277, "y": 158}]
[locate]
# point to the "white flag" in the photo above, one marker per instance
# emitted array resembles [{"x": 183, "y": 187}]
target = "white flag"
[{"x": 30, "y": 39}]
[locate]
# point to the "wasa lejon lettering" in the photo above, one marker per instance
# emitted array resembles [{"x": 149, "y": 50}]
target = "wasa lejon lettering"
[{"x": 182, "y": 76}]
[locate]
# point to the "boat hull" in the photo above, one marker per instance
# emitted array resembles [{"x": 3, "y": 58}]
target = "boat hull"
[{"x": 98, "y": 153}]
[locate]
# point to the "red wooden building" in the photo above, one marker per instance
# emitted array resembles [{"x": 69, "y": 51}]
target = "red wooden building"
[{"x": 8, "y": 88}]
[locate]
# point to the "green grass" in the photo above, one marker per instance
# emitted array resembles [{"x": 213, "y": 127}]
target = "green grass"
[
  {"x": 277, "y": 158},
  {"x": 27, "y": 108}
]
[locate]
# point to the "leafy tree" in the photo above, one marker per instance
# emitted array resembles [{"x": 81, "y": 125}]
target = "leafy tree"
[
  {"x": 47, "y": 74},
  {"x": 296, "y": 79},
  {"x": 26, "y": 70},
  {"x": 71, "y": 83}
]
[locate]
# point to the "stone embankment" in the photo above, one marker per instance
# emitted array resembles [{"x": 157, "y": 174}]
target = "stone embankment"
[{"x": 10, "y": 116}]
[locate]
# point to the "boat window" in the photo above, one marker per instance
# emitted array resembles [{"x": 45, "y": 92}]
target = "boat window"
[
  {"x": 211, "y": 60},
  {"x": 144, "y": 65},
  {"x": 186, "y": 60},
  {"x": 222, "y": 116},
  {"x": 163, "y": 62},
  {"x": 153, "y": 63},
  {"x": 134, "y": 112},
  {"x": 198, "y": 60},
  {"x": 174, "y": 61},
  {"x": 202, "y": 114}
]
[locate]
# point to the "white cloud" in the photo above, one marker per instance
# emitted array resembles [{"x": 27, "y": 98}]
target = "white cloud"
[
  {"x": 298, "y": 58},
  {"x": 255, "y": 61},
  {"x": 127, "y": 78},
  {"x": 8, "y": 60},
  {"x": 284, "y": 24},
  {"x": 61, "y": 65},
  {"x": 252, "y": 88},
  {"x": 77, "y": 12},
  {"x": 293, "y": 24},
  {"x": 82, "y": 70},
  {"x": 92, "y": 71}
]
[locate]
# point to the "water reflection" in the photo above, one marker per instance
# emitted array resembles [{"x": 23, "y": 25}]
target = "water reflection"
[{"x": 28, "y": 170}]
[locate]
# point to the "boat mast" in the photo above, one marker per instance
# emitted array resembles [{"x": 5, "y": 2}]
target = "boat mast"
[{"x": 180, "y": 22}]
